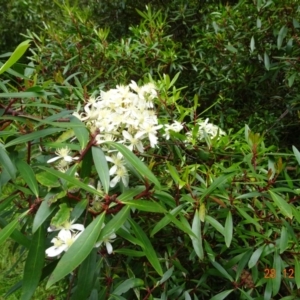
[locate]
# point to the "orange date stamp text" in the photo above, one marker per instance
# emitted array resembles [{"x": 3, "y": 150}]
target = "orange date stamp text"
[{"x": 271, "y": 273}]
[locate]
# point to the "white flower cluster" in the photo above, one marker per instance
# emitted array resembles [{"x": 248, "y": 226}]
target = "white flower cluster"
[
  {"x": 126, "y": 115},
  {"x": 206, "y": 129},
  {"x": 68, "y": 233}
]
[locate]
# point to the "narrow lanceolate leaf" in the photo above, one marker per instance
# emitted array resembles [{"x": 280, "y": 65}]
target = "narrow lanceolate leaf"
[
  {"x": 221, "y": 295},
  {"x": 197, "y": 241},
  {"x": 276, "y": 282},
  {"x": 28, "y": 176},
  {"x": 85, "y": 277},
  {"x": 34, "y": 264},
  {"x": 215, "y": 224},
  {"x": 81, "y": 132},
  {"x": 9, "y": 229},
  {"x": 222, "y": 270},
  {"x": 145, "y": 205},
  {"x": 32, "y": 136},
  {"x": 284, "y": 239},
  {"x": 281, "y": 35},
  {"x": 166, "y": 276},
  {"x": 7, "y": 163},
  {"x": 297, "y": 272},
  {"x": 147, "y": 247},
  {"x": 72, "y": 180},
  {"x": 17, "y": 236},
  {"x": 17, "y": 54},
  {"x": 78, "y": 251},
  {"x": 297, "y": 154},
  {"x": 228, "y": 230},
  {"x": 217, "y": 182},
  {"x": 282, "y": 205},
  {"x": 166, "y": 220},
  {"x": 127, "y": 285},
  {"x": 115, "y": 223},
  {"x": 255, "y": 256},
  {"x": 101, "y": 167},
  {"x": 136, "y": 163},
  {"x": 267, "y": 61},
  {"x": 42, "y": 214}
]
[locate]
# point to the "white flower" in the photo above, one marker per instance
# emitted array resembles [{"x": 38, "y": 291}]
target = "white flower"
[
  {"x": 62, "y": 153},
  {"x": 135, "y": 142},
  {"x": 67, "y": 226},
  {"x": 208, "y": 129},
  {"x": 151, "y": 131},
  {"x": 62, "y": 243},
  {"x": 120, "y": 174},
  {"x": 176, "y": 126},
  {"x": 118, "y": 162},
  {"x": 110, "y": 239}
]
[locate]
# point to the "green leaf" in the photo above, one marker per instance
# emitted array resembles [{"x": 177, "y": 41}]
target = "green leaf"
[
  {"x": 62, "y": 216},
  {"x": 231, "y": 48},
  {"x": 268, "y": 290},
  {"x": 8, "y": 229},
  {"x": 281, "y": 35},
  {"x": 115, "y": 223},
  {"x": 166, "y": 276},
  {"x": 129, "y": 252},
  {"x": 166, "y": 220},
  {"x": 86, "y": 275},
  {"x": 47, "y": 179},
  {"x": 16, "y": 235},
  {"x": 242, "y": 263},
  {"x": 284, "y": 239},
  {"x": 297, "y": 272},
  {"x": 72, "y": 180},
  {"x": 136, "y": 163},
  {"x": 78, "y": 251},
  {"x": 130, "y": 193},
  {"x": 32, "y": 136},
  {"x": 28, "y": 176},
  {"x": 215, "y": 224},
  {"x": 228, "y": 230},
  {"x": 210, "y": 253},
  {"x": 101, "y": 167},
  {"x": 197, "y": 240},
  {"x": 7, "y": 163},
  {"x": 249, "y": 218},
  {"x": 282, "y": 205},
  {"x": 276, "y": 282},
  {"x": 16, "y": 55},
  {"x": 127, "y": 285},
  {"x": 79, "y": 209},
  {"x": 222, "y": 270},
  {"x": 255, "y": 256},
  {"x": 26, "y": 95},
  {"x": 81, "y": 133},
  {"x": 34, "y": 264},
  {"x": 145, "y": 205},
  {"x": 221, "y": 295},
  {"x": 147, "y": 247},
  {"x": 267, "y": 61},
  {"x": 297, "y": 154},
  {"x": 217, "y": 182},
  {"x": 175, "y": 175},
  {"x": 42, "y": 214},
  {"x": 252, "y": 44}
]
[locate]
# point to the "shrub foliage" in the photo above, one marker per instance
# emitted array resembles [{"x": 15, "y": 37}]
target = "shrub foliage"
[{"x": 114, "y": 183}]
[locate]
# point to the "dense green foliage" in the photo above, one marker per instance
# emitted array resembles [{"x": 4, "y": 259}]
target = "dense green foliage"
[{"x": 207, "y": 214}]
